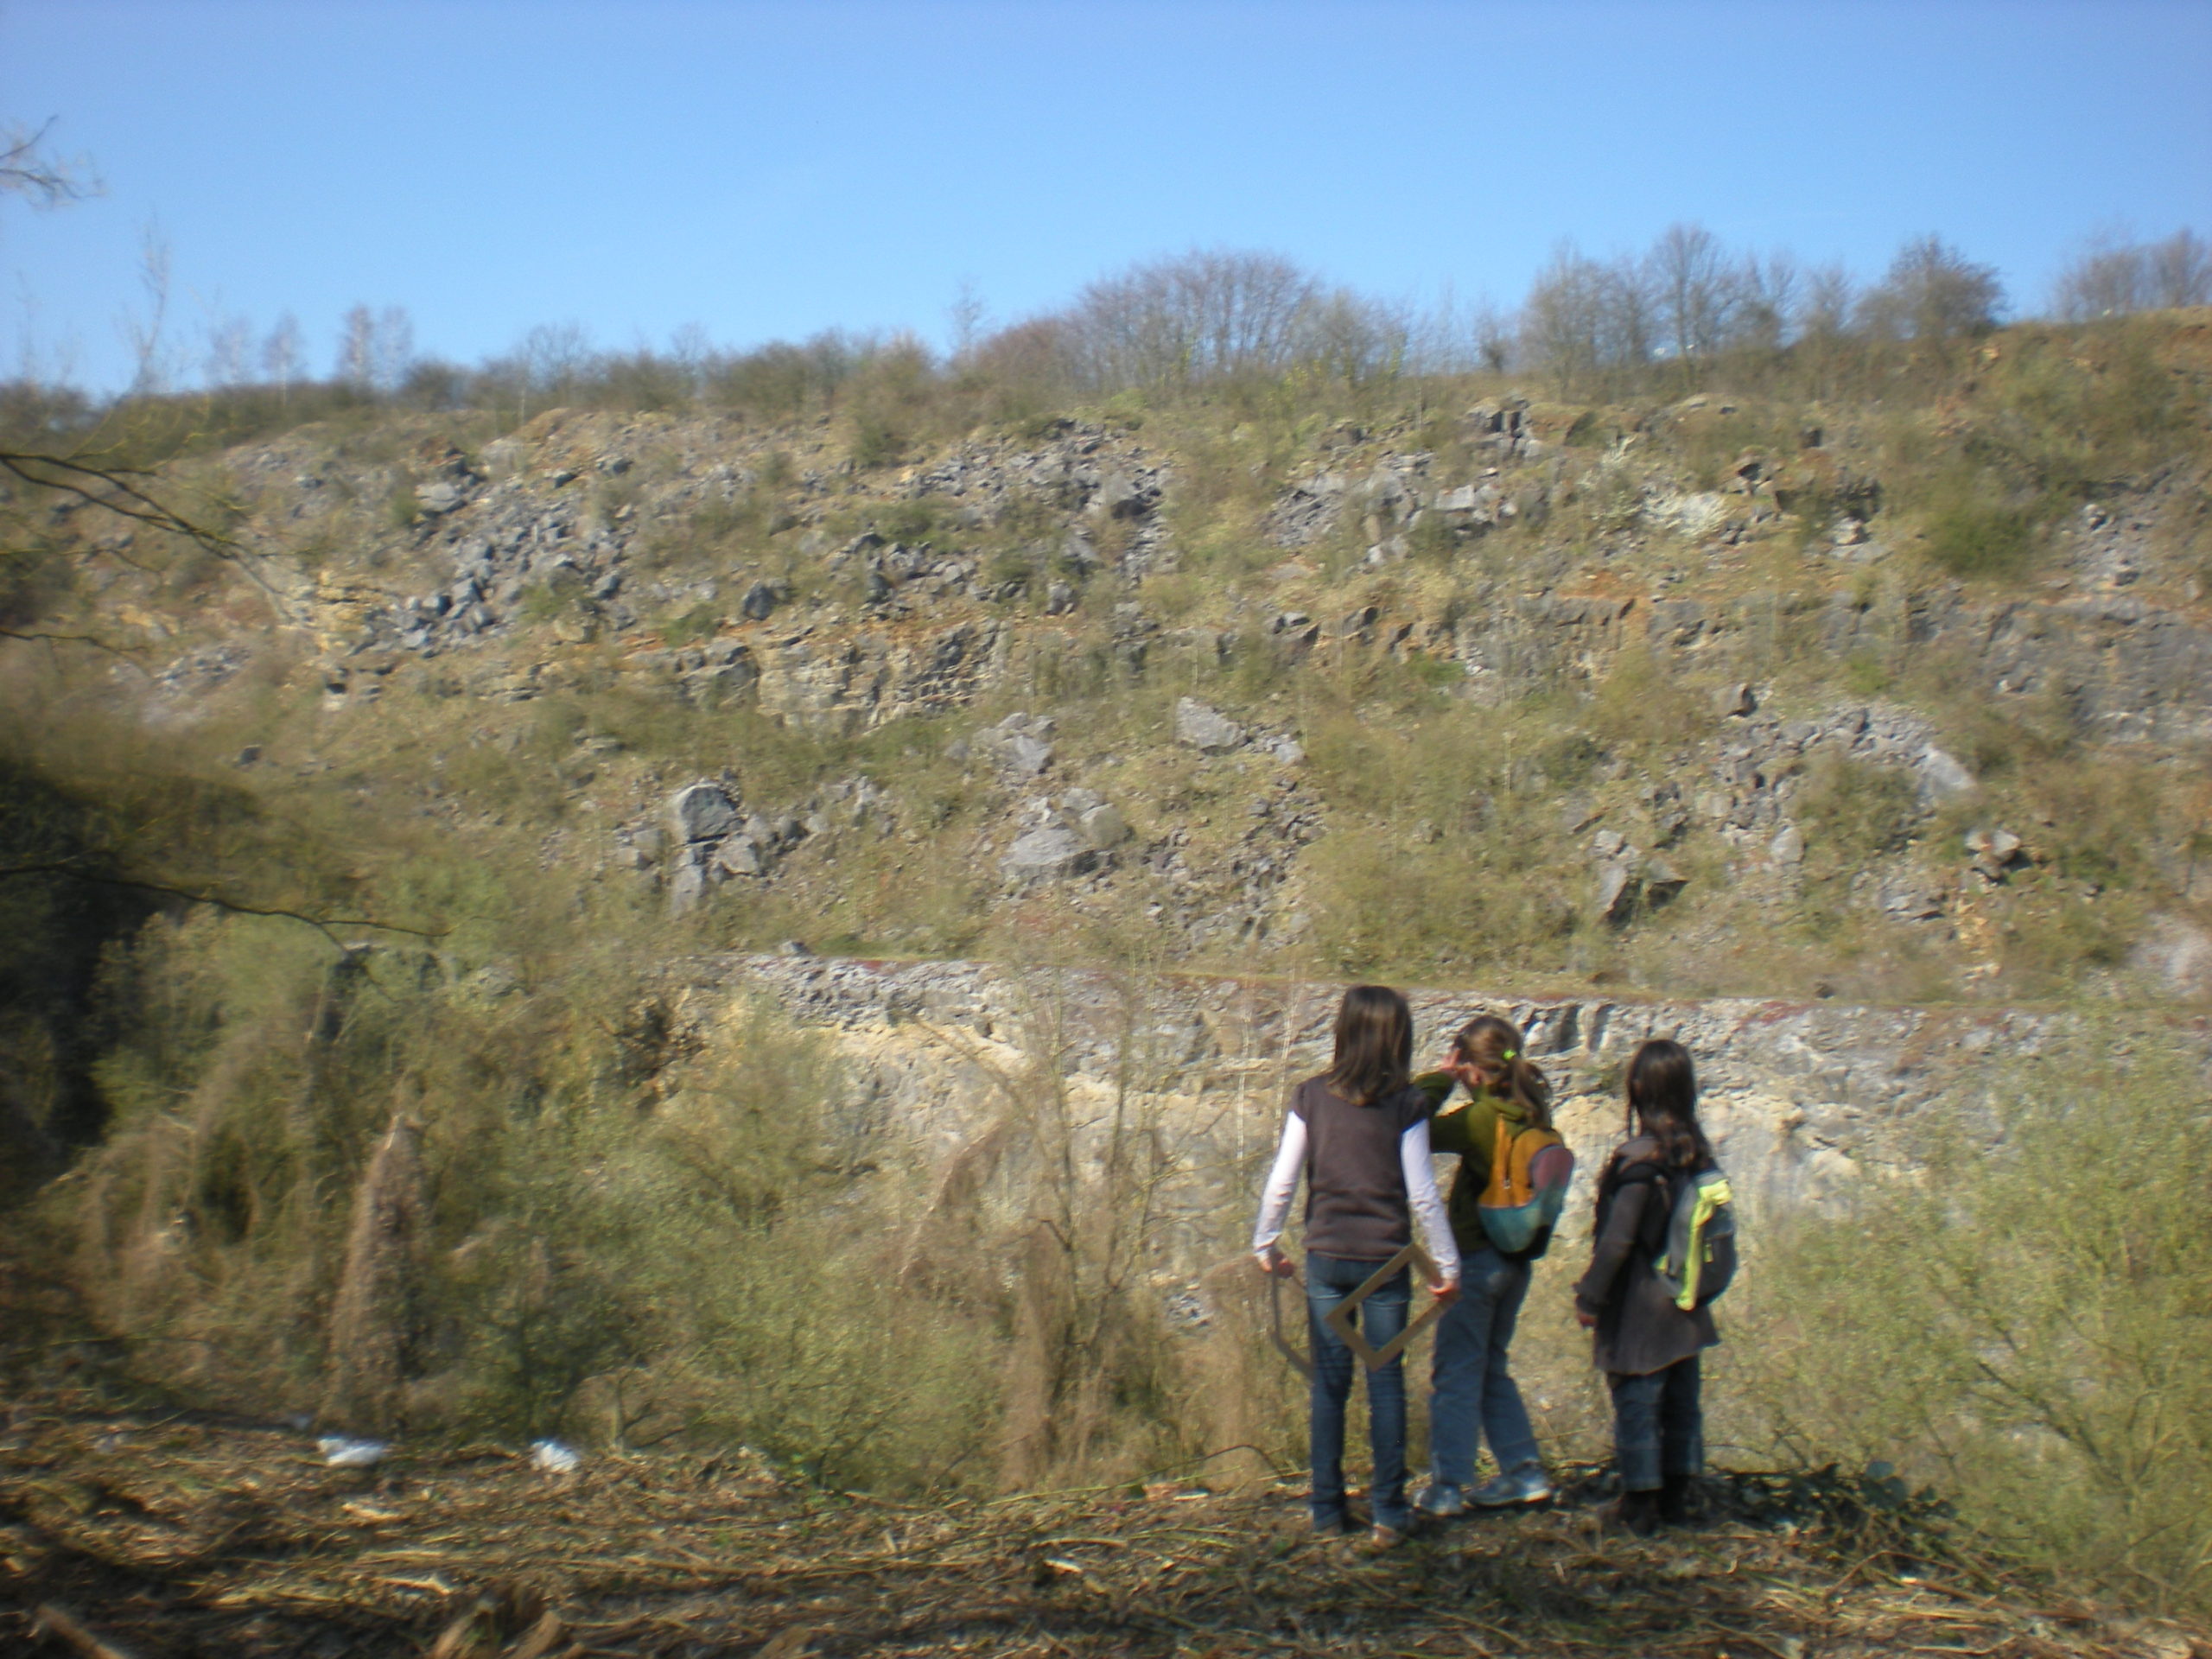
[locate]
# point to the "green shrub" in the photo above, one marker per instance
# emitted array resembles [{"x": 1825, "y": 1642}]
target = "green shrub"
[
  {"x": 2024, "y": 1326},
  {"x": 1856, "y": 811},
  {"x": 1977, "y": 537}
]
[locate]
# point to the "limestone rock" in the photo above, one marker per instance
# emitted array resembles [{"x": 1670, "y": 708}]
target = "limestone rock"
[
  {"x": 1205, "y": 729},
  {"x": 702, "y": 812},
  {"x": 740, "y": 855},
  {"x": 1047, "y": 853},
  {"x": 1940, "y": 776},
  {"x": 1018, "y": 746},
  {"x": 1661, "y": 882},
  {"x": 1103, "y": 827},
  {"x": 1616, "y": 890}
]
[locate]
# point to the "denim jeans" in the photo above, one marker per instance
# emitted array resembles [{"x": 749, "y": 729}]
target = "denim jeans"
[
  {"x": 1474, "y": 1394},
  {"x": 1658, "y": 1426},
  {"x": 1329, "y": 1280}
]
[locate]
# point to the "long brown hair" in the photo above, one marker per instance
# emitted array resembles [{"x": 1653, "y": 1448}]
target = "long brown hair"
[
  {"x": 1495, "y": 1044},
  {"x": 1375, "y": 1045},
  {"x": 1663, "y": 1102}
]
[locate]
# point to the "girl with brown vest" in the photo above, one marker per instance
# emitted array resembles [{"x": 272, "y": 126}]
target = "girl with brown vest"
[{"x": 1359, "y": 1134}]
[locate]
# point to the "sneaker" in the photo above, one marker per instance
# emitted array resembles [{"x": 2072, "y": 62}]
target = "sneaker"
[
  {"x": 1442, "y": 1500},
  {"x": 1380, "y": 1538},
  {"x": 1527, "y": 1484},
  {"x": 1331, "y": 1523}
]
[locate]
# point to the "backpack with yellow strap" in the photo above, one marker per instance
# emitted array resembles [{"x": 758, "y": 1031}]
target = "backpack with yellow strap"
[{"x": 1529, "y": 1170}]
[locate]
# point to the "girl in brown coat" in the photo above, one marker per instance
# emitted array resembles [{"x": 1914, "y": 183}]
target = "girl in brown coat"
[{"x": 1646, "y": 1345}]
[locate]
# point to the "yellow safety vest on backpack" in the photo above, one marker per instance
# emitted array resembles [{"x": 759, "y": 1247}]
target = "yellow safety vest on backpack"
[{"x": 1529, "y": 1170}]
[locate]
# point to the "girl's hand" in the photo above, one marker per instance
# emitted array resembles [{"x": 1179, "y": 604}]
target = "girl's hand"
[
  {"x": 1272, "y": 1262},
  {"x": 1447, "y": 1292},
  {"x": 1586, "y": 1320}
]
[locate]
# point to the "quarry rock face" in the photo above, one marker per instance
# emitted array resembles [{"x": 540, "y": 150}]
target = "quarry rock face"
[{"x": 1802, "y": 1100}]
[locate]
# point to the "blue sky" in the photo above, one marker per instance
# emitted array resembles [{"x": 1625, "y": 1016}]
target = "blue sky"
[{"x": 770, "y": 169}]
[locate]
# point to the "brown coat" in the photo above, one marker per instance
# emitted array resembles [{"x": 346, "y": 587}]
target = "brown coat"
[{"x": 1639, "y": 1328}]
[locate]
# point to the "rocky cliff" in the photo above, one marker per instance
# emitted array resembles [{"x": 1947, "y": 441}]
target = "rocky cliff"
[{"x": 1802, "y": 1100}]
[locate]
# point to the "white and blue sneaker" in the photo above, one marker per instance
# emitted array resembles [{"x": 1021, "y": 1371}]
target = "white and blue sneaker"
[
  {"x": 1527, "y": 1484},
  {"x": 1441, "y": 1500}
]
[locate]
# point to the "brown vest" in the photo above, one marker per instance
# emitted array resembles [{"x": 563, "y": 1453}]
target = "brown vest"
[{"x": 1356, "y": 1203}]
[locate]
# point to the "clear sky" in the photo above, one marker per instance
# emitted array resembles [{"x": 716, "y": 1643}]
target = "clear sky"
[{"x": 771, "y": 170}]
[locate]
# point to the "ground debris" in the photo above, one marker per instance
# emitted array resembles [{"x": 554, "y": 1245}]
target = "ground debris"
[{"x": 180, "y": 1535}]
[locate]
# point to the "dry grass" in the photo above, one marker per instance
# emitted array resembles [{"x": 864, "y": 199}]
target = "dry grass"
[{"x": 175, "y": 1533}]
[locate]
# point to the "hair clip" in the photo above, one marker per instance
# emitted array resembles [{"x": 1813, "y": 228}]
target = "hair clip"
[{"x": 1512, "y": 1053}]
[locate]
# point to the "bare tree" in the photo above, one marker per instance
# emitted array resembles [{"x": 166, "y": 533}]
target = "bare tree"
[
  {"x": 29, "y": 169},
  {"x": 966, "y": 313},
  {"x": 227, "y": 360},
  {"x": 1630, "y": 314},
  {"x": 376, "y": 348},
  {"x": 553, "y": 356},
  {"x": 1933, "y": 292},
  {"x": 146, "y": 334},
  {"x": 1824, "y": 310},
  {"x": 1493, "y": 332},
  {"x": 1563, "y": 320},
  {"x": 283, "y": 356},
  {"x": 1767, "y": 304},
  {"x": 356, "y": 364},
  {"x": 1696, "y": 288},
  {"x": 1200, "y": 316},
  {"x": 2111, "y": 278},
  {"x": 395, "y": 348},
  {"x": 2180, "y": 270}
]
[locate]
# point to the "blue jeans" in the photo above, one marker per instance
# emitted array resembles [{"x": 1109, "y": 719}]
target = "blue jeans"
[
  {"x": 1474, "y": 1394},
  {"x": 1329, "y": 1280},
  {"x": 1658, "y": 1426}
]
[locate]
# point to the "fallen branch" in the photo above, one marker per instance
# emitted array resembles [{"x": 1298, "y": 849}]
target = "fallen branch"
[
  {"x": 321, "y": 924},
  {"x": 54, "y": 1624}
]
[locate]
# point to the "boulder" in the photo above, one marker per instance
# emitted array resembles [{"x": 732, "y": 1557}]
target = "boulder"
[
  {"x": 1046, "y": 854},
  {"x": 1117, "y": 497},
  {"x": 1102, "y": 827},
  {"x": 759, "y": 603},
  {"x": 702, "y": 812},
  {"x": 1616, "y": 890},
  {"x": 1940, "y": 776},
  {"x": 1205, "y": 729},
  {"x": 688, "y": 881},
  {"x": 1017, "y": 745},
  {"x": 741, "y": 855},
  {"x": 1661, "y": 881},
  {"x": 438, "y": 496}
]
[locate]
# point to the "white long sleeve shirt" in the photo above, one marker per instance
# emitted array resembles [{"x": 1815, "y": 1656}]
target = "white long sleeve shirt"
[{"x": 1420, "y": 1193}]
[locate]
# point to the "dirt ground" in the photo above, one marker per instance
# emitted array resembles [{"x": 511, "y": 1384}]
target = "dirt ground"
[{"x": 157, "y": 1534}]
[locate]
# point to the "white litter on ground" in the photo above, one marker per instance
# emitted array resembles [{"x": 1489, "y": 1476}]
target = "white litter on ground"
[
  {"x": 553, "y": 1457},
  {"x": 342, "y": 1454}
]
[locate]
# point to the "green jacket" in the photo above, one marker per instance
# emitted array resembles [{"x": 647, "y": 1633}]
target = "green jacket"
[{"x": 1471, "y": 1131}]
